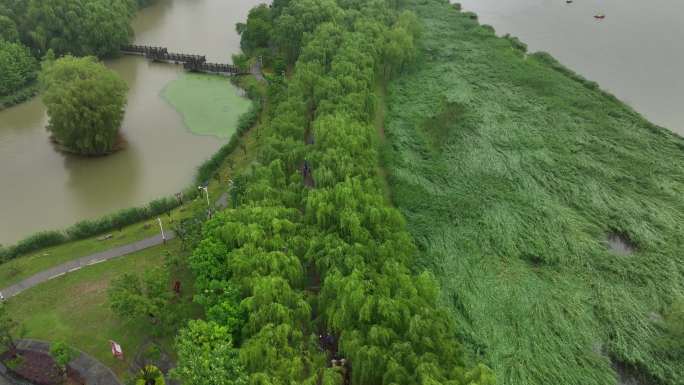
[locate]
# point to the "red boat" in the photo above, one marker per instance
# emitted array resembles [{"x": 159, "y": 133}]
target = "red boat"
[{"x": 600, "y": 16}]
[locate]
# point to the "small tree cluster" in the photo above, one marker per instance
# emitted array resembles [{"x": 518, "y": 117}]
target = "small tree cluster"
[
  {"x": 85, "y": 103},
  {"x": 149, "y": 296},
  {"x": 63, "y": 354}
]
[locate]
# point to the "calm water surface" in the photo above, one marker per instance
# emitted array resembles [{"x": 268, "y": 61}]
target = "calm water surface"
[
  {"x": 41, "y": 188},
  {"x": 636, "y": 52}
]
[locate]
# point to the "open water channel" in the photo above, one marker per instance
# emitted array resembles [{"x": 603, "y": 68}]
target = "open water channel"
[
  {"x": 41, "y": 188},
  {"x": 636, "y": 52}
]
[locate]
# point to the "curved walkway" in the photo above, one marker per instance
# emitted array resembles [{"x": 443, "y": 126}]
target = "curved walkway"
[
  {"x": 79, "y": 263},
  {"x": 92, "y": 370}
]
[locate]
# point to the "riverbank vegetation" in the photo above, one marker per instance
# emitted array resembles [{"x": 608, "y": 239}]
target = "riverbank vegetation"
[
  {"x": 518, "y": 179},
  {"x": 17, "y": 73},
  {"x": 85, "y": 104},
  {"x": 69, "y": 27},
  {"x": 313, "y": 248}
]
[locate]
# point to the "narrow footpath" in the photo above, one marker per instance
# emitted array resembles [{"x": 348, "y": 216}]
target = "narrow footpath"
[
  {"x": 92, "y": 370},
  {"x": 89, "y": 260}
]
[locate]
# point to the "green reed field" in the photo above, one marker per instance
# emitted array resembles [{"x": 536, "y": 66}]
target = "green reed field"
[{"x": 512, "y": 172}]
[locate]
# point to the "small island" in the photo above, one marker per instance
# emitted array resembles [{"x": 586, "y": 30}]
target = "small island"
[{"x": 85, "y": 103}]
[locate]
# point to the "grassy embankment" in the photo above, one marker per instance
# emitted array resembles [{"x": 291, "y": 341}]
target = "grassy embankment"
[
  {"x": 512, "y": 172},
  {"x": 20, "y": 96}
]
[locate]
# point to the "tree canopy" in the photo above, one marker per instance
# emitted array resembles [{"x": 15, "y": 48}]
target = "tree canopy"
[
  {"x": 17, "y": 67},
  {"x": 85, "y": 103},
  {"x": 75, "y": 27},
  {"x": 206, "y": 356},
  {"x": 313, "y": 247},
  {"x": 144, "y": 297}
]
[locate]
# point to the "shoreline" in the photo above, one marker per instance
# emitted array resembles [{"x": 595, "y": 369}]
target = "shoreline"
[
  {"x": 25, "y": 94},
  {"x": 47, "y": 238}
]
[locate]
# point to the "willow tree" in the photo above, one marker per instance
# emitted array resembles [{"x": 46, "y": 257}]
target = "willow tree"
[
  {"x": 17, "y": 67},
  {"x": 85, "y": 103}
]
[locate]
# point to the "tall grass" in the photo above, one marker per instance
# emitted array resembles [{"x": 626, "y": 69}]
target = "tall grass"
[{"x": 534, "y": 167}]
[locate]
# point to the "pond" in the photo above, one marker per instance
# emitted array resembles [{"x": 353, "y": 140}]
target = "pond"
[
  {"x": 635, "y": 52},
  {"x": 44, "y": 189}
]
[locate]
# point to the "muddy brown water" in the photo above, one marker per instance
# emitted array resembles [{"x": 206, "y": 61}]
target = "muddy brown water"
[
  {"x": 41, "y": 188},
  {"x": 635, "y": 52}
]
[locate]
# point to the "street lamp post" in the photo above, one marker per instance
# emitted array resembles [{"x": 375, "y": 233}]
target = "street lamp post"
[
  {"x": 162, "y": 229},
  {"x": 206, "y": 192}
]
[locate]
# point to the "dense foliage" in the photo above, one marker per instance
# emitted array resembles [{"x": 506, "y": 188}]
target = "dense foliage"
[
  {"x": 308, "y": 252},
  {"x": 85, "y": 103},
  {"x": 207, "y": 356},
  {"x": 134, "y": 297},
  {"x": 75, "y": 27},
  {"x": 17, "y": 67},
  {"x": 62, "y": 354},
  {"x": 513, "y": 172}
]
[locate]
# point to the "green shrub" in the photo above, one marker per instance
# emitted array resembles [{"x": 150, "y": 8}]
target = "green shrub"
[
  {"x": 162, "y": 206},
  {"x": 32, "y": 243}
]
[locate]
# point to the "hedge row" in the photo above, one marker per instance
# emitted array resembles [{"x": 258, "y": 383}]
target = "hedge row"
[{"x": 20, "y": 96}]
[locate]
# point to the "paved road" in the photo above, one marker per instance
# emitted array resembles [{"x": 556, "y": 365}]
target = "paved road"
[{"x": 77, "y": 264}]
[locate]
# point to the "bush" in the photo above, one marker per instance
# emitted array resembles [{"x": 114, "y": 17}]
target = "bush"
[
  {"x": 161, "y": 206},
  {"x": 62, "y": 354},
  {"x": 32, "y": 243},
  {"x": 88, "y": 228},
  {"x": 85, "y": 103}
]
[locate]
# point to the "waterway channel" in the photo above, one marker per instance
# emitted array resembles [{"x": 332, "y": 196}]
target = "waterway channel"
[
  {"x": 43, "y": 189},
  {"x": 635, "y": 52}
]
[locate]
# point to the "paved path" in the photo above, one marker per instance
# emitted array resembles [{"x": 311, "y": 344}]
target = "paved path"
[
  {"x": 77, "y": 264},
  {"x": 92, "y": 370}
]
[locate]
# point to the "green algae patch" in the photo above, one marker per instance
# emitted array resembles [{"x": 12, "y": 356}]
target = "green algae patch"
[{"x": 209, "y": 104}]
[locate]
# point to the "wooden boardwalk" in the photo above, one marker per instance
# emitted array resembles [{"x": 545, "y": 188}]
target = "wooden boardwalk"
[{"x": 193, "y": 63}]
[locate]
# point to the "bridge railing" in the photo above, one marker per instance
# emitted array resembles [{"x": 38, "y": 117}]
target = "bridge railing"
[{"x": 196, "y": 63}]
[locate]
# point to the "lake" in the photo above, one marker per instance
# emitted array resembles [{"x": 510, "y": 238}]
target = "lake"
[
  {"x": 635, "y": 52},
  {"x": 44, "y": 189}
]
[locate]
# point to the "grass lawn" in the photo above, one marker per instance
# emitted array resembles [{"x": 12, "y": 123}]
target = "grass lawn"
[
  {"x": 23, "y": 267},
  {"x": 75, "y": 308},
  {"x": 513, "y": 173}
]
